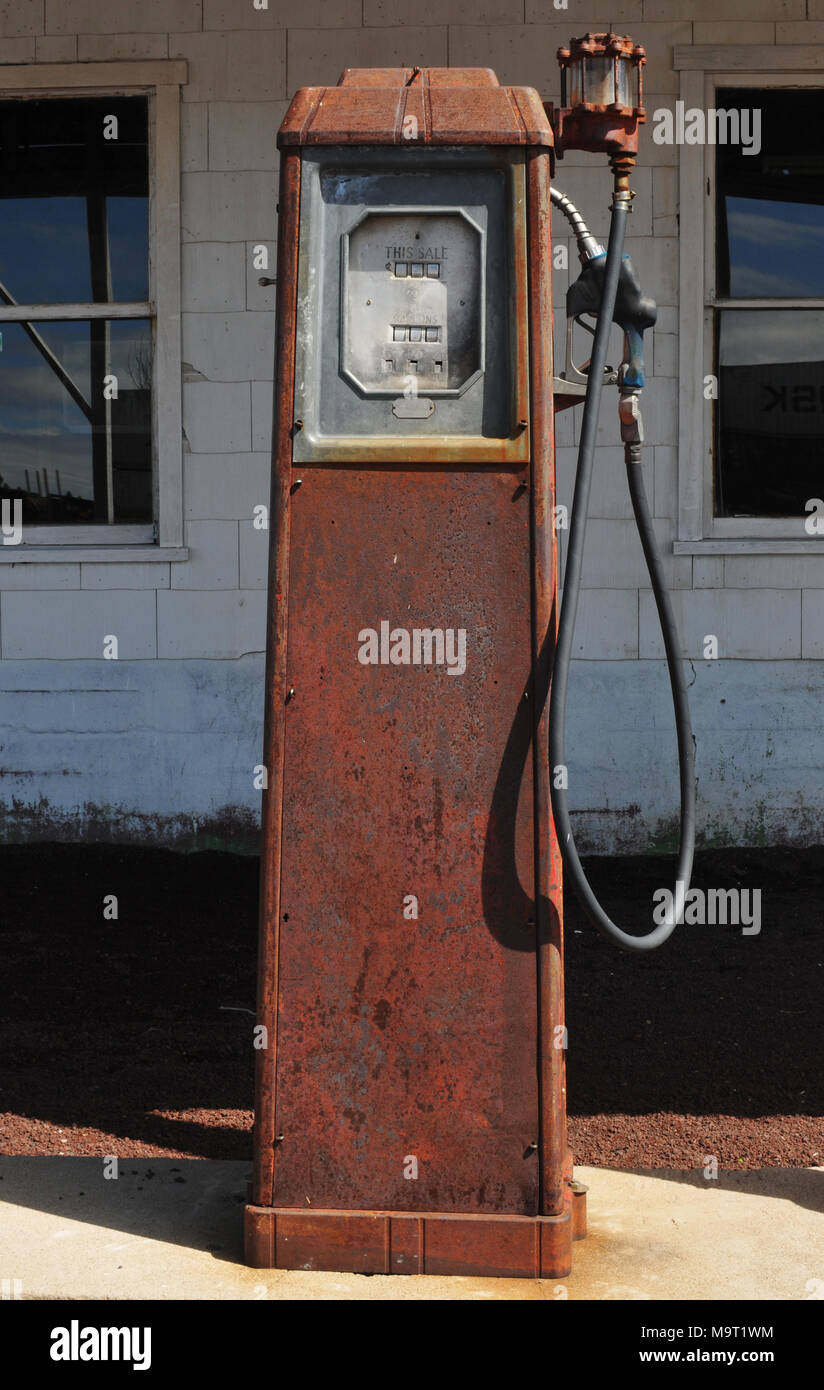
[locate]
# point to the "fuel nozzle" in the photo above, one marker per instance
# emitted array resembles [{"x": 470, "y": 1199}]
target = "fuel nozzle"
[
  {"x": 635, "y": 312},
  {"x": 601, "y": 108}
]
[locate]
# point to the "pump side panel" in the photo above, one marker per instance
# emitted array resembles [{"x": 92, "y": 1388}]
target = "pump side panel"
[{"x": 408, "y": 1041}]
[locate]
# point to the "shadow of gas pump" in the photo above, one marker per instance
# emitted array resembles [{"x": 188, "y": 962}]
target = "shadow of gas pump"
[{"x": 510, "y": 911}]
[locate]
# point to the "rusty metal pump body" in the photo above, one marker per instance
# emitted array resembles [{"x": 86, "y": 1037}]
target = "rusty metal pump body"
[{"x": 410, "y": 1093}]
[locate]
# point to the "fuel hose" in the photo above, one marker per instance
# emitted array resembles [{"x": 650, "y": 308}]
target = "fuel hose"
[{"x": 566, "y": 624}]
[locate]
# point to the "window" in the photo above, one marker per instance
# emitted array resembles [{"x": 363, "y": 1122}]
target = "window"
[
  {"x": 768, "y": 441},
  {"x": 751, "y": 303},
  {"x": 76, "y": 392},
  {"x": 90, "y": 440}
]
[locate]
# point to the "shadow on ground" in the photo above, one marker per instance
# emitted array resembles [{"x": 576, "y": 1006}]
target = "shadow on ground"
[
  {"x": 133, "y": 1036},
  {"x": 190, "y": 1203},
  {"x": 802, "y": 1186},
  {"x": 711, "y": 1045}
]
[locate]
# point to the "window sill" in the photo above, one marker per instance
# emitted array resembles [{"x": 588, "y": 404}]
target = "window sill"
[
  {"x": 88, "y": 554},
  {"x": 730, "y": 545}
]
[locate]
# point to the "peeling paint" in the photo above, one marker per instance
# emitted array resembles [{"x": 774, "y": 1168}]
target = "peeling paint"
[{"x": 233, "y": 828}]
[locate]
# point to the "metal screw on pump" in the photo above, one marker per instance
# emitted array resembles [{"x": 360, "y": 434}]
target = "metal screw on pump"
[{"x": 599, "y": 67}]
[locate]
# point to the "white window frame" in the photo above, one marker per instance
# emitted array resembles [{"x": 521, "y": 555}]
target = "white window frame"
[
  {"x": 160, "y": 82},
  {"x": 704, "y": 68}
]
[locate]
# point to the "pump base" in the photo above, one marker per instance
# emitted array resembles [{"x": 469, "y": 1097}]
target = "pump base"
[{"x": 404, "y": 1242}]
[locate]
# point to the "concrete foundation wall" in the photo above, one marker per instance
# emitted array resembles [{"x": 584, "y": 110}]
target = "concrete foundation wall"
[{"x": 164, "y": 752}]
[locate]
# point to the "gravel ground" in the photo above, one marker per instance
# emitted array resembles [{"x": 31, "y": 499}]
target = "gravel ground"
[{"x": 131, "y": 1037}]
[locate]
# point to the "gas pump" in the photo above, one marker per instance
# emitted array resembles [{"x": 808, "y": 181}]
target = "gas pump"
[{"x": 410, "y": 1086}]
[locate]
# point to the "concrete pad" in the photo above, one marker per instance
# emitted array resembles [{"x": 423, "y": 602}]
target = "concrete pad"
[
  {"x": 171, "y": 1228},
  {"x": 671, "y": 1234}
]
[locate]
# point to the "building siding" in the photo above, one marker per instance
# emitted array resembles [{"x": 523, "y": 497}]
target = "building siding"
[{"x": 161, "y": 744}]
